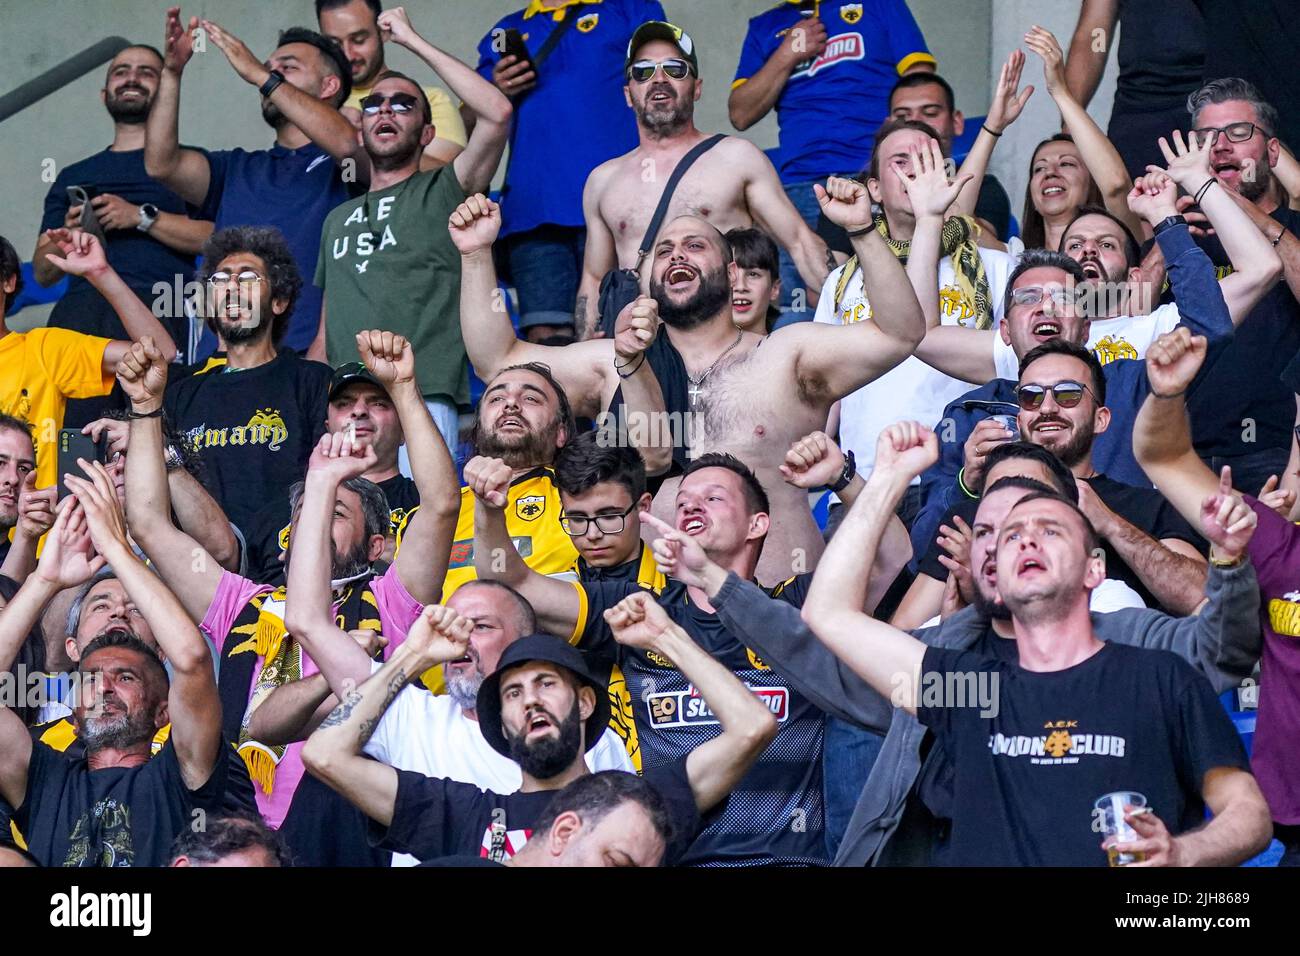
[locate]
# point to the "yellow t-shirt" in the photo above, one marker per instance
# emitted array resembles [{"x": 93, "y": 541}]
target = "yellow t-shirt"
[
  {"x": 39, "y": 371},
  {"x": 447, "y": 123},
  {"x": 533, "y": 520}
]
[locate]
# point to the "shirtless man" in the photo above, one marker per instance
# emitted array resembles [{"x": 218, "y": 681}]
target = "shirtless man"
[
  {"x": 732, "y": 186},
  {"x": 741, "y": 399}
]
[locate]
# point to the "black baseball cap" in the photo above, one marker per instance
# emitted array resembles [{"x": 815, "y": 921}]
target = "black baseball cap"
[
  {"x": 351, "y": 372},
  {"x": 552, "y": 650},
  {"x": 661, "y": 30}
]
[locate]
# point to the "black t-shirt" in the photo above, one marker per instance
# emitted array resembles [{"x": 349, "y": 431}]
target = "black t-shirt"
[
  {"x": 1124, "y": 719},
  {"x": 118, "y": 816},
  {"x": 1242, "y": 404},
  {"x": 775, "y": 814},
  {"x": 254, "y": 429},
  {"x": 1161, "y": 54},
  {"x": 435, "y": 817},
  {"x": 322, "y": 828},
  {"x": 268, "y": 535},
  {"x": 1144, "y": 508}
]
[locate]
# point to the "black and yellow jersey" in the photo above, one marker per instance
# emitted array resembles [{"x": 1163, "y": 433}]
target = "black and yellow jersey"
[
  {"x": 533, "y": 520},
  {"x": 642, "y": 571}
]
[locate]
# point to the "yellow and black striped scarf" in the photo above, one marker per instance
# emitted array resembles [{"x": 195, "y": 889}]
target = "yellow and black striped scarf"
[
  {"x": 957, "y": 241},
  {"x": 261, "y": 625}
]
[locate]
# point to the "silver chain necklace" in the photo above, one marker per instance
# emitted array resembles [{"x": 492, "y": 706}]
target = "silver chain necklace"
[{"x": 696, "y": 383}]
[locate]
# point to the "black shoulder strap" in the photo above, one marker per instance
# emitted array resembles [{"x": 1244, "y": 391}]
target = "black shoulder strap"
[
  {"x": 657, "y": 220},
  {"x": 553, "y": 40}
]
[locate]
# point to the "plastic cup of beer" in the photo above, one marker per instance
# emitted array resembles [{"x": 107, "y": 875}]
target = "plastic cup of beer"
[
  {"x": 1010, "y": 423},
  {"x": 1109, "y": 811}
]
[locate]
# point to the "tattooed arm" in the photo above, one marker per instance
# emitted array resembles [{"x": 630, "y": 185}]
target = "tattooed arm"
[{"x": 333, "y": 752}]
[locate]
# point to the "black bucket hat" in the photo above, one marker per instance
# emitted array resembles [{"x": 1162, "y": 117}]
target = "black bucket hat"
[{"x": 552, "y": 650}]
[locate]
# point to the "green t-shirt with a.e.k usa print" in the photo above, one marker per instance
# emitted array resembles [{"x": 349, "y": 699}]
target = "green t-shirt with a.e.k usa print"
[{"x": 387, "y": 262}]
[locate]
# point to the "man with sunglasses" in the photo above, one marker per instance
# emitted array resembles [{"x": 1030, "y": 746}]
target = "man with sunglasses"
[
  {"x": 1243, "y": 415},
  {"x": 386, "y": 257},
  {"x": 732, "y": 185},
  {"x": 553, "y": 145},
  {"x": 1043, "y": 303}
]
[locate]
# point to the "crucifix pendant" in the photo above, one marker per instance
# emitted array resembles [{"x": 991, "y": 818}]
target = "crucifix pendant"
[{"x": 694, "y": 392}]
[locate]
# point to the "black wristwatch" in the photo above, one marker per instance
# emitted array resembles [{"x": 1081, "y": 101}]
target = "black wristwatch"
[
  {"x": 1168, "y": 223},
  {"x": 272, "y": 81},
  {"x": 847, "y": 475}
]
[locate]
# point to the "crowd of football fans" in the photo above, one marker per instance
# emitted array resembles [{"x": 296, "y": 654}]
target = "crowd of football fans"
[{"x": 677, "y": 502}]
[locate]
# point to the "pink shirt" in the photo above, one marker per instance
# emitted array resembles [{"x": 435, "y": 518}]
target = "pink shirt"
[{"x": 397, "y": 612}]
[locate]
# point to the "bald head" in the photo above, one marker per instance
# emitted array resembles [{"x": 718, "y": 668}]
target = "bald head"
[{"x": 685, "y": 226}]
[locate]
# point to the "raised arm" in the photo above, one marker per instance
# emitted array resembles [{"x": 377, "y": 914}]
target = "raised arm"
[
  {"x": 184, "y": 171},
  {"x": 1100, "y": 156},
  {"x": 192, "y": 574},
  {"x": 15, "y": 757},
  {"x": 333, "y": 752},
  {"x": 556, "y": 601},
  {"x": 839, "y": 359},
  {"x": 775, "y": 214},
  {"x": 84, "y": 256},
  {"x": 717, "y": 766},
  {"x": 323, "y": 124},
  {"x": 477, "y": 162},
  {"x": 1087, "y": 57},
  {"x": 308, "y": 613},
  {"x": 886, "y": 658},
  {"x": 485, "y": 325},
  {"x": 192, "y": 702},
  {"x": 1162, "y": 436},
  {"x": 426, "y": 544},
  {"x": 1255, "y": 262},
  {"x": 35, "y": 518},
  {"x": 1008, "y": 102}
]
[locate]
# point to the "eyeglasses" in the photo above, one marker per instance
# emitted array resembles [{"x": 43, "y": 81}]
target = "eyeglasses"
[
  {"x": 1236, "y": 133},
  {"x": 644, "y": 70},
  {"x": 245, "y": 278},
  {"x": 575, "y": 526},
  {"x": 1067, "y": 394},
  {"x": 398, "y": 103},
  {"x": 1034, "y": 294}
]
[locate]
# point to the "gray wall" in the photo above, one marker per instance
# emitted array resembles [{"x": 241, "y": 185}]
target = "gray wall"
[{"x": 969, "y": 37}]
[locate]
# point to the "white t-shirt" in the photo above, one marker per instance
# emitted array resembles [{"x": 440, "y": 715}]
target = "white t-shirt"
[
  {"x": 912, "y": 390},
  {"x": 430, "y": 734},
  {"x": 1111, "y": 595},
  {"x": 1123, "y": 337}
]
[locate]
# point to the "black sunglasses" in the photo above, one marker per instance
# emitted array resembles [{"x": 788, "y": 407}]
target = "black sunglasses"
[
  {"x": 398, "y": 103},
  {"x": 643, "y": 70},
  {"x": 1067, "y": 394}
]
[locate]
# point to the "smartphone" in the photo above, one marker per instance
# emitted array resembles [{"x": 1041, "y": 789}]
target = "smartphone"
[
  {"x": 810, "y": 8},
  {"x": 516, "y": 47},
  {"x": 73, "y": 445}
]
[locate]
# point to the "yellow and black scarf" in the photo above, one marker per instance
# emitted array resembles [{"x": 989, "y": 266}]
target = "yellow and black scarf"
[
  {"x": 957, "y": 241},
  {"x": 261, "y": 626}
]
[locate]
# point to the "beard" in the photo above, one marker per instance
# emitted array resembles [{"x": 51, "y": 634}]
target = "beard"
[
  {"x": 662, "y": 122},
  {"x": 233, "y": 331},
  {"x": 990, "y": 608},
  {"x": 463, "y": 688},
  {"x": 129, "y": 729},
  {"x": 1077, "y": 446},
  {"x": 713, "y": 294},
  {"x": 356, "y": 561},
  {"x": 530, "y": 448},
  {"x": 130, "y": 112},
  {"x": 394, "y": 155},
  {"x": 1256, "y": 187},
  {"x": 550, "y": 756},
  {"x": 272, "y": 116}
]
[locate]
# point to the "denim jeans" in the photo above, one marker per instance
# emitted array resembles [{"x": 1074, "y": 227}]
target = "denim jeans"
[
  {"x": 848, "y": 754},
  {"x": 805, "y": 201},
  {"x": 546, "y": 267},
  {"x": 1250, "y": 471}
]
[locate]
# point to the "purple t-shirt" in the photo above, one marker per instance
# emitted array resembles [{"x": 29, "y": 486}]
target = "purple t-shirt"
[
  {"x": 1275, "y": 552},
  {"x": 397, "y": 612}
]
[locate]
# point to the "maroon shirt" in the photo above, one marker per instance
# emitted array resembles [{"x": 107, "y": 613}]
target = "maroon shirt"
[{"x": 1275, "y": 551}]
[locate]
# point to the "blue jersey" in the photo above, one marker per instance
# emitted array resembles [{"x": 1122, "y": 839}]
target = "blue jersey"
[
  {"x": 831, "y": 105},
  {"x": 575, "y": 118}
]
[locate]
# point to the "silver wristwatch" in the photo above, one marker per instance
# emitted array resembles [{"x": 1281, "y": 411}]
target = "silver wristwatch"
[{"x": 148, "y": 216}]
